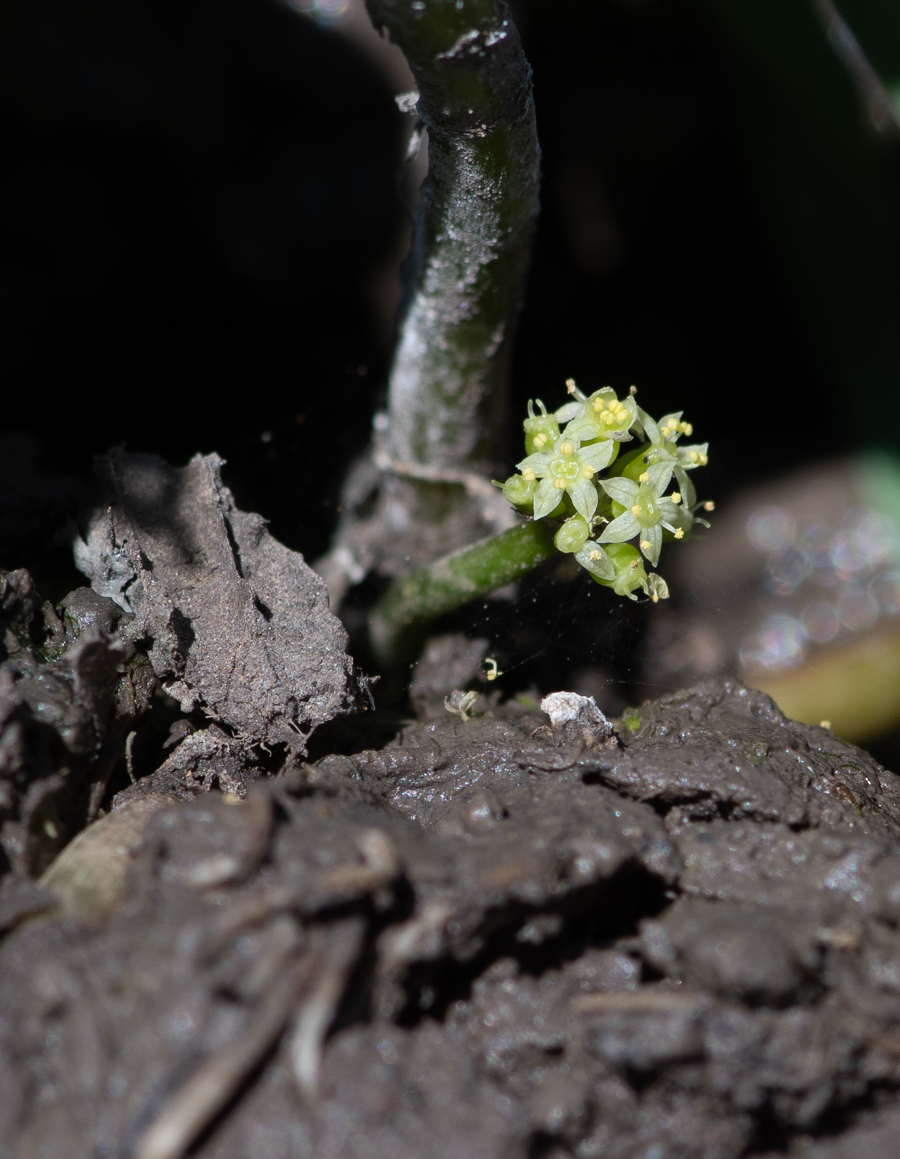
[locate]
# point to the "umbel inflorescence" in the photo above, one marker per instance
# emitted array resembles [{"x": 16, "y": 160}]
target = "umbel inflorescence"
[{"x": 611, "y": 500}]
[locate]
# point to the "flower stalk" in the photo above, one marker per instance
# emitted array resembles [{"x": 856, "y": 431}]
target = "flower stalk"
[{"x": 398, "y": 620}]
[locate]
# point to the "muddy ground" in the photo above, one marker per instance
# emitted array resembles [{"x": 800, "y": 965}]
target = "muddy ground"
[{"x": 496, "y": 934}]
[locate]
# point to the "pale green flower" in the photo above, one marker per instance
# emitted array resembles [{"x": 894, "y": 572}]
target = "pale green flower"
[
  {"x": 645, "y": 510},
  {"x": 601, "y": 416},
  {"x": 541, "y": 430},
  {"x": 621, "y": 568},
  {"x": 663, "y": 437},
  {"x": 568, "y": 468},
  {"x": 687, "y": 459}
]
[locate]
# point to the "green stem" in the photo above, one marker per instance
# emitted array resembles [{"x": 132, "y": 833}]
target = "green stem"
[{"x": 397, "y": 622}]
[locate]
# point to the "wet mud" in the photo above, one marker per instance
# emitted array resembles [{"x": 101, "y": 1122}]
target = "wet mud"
[
  {"x": 485, "y": 938},
  {"x": 494, "y": 931}
]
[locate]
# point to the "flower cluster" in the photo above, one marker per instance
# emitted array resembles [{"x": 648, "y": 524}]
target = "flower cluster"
[{"x": 605, "y": 495}]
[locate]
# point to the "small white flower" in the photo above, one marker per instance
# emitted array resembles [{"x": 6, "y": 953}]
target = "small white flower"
[
  {"x": 568, "y": 468},
  {"x": 646, "y": 510}
]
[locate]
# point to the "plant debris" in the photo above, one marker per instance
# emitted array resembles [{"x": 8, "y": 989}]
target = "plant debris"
[
  {"x": 236, "y": 626},
  {"x": 71, "y": 688}
]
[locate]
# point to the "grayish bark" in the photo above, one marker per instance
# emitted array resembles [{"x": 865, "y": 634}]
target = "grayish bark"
[
  {"x": 425, "y": 484},
  {"x": 473, "y": 229}
]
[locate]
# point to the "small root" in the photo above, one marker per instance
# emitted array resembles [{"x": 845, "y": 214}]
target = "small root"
[
  {"x": 203, "y": 1096},
  {"x": 316, "y": 1014}
]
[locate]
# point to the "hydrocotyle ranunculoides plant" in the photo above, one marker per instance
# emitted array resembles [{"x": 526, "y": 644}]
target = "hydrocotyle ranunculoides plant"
[{"x": 601, "y": 481}]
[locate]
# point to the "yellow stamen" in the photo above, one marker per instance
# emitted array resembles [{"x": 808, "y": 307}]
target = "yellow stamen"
[
  {"x": 559, "y": 484},
  {"x": 644, "y": 477},
  {"x": 598, "y": 404},
  {"x": 694, "y": 457},
  {"x": 676, "y": 498},
  {"x": 709, "y": 505},
  {"x": 567, "y": 448},
  {"x": 646, "y": 545},
  {"x": 587, "y": 472},
  {"x": 540, "y": 440},
  {"x": 687, "y": 428},
  {"x": 704, "y": 459},
  {"x": 636, "y": 509},
  {"x": 528, "y": 475},
  {"x": 679, "y": 533}
]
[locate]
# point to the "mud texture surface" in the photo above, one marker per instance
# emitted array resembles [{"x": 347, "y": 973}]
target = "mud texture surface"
[
  {"x": 194, "y": 609},
  {"x": 71, "y": 689},
  {"x": 484, "y": 939}
]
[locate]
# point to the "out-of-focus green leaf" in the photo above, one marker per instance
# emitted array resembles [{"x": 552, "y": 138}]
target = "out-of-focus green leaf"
[{"x": 833, "y": 186}]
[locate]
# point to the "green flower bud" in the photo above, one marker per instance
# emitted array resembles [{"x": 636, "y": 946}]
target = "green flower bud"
[
  {"x": 520, "y": 491},
  {"x": 573, "y": 534},
  {"x": 630, "y": 572},
  {"x": 541, "y": 430}
]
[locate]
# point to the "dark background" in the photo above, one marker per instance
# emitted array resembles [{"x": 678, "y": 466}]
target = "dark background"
[{"x": 201, "y": 199}]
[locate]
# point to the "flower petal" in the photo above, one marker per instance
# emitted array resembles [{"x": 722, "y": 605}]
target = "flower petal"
[
  {"x": 585, "y": 428},
  {"x": 621, "y": 529},
  {"x": 684, "y": 455},
  {"x": 670, "y": 420},
  {"x": 659, "y": 589},
  {"x": 686, "y": 487},
  {"x": 546, "y": 498},
  {"x": 602, "y": 567},
  {"x": 597, "y": 455},
  {"x": 624, "y": 491},
  {"x": 660, "y": 475},
  {"x": 632, "y": 408},
  {"x": 651, "y": 430},
  {"x": 569, "y": 411},
  {"x": 584, "y": 497},
  {"x": 539, "y": 462},
  {"x": 653, "y": 536}
]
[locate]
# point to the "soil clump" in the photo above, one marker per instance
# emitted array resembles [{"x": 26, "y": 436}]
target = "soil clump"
[{"x": 487, "y": 937}]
